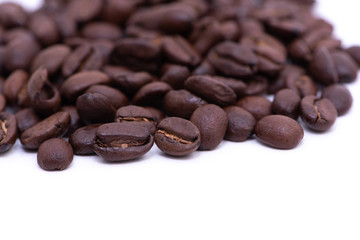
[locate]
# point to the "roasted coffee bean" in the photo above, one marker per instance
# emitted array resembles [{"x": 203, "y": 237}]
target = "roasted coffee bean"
[
  {"x": 101, "y": 30},
  {"x": 2, "y": 81},
  {"x": 116, "y": 97},
  {"x": 158, "y": 114},
  {"x": 256, "y": 85},
  {"x": 340, "y": 96},
  {"x": 317, "y": 114},
  {"x": 15, "y": 88},
  {"x": 8, "y": 131},
  {"x": 77, "y": 84},
  {"x": 122, "y": 141},
  {"x": 181, "y": 103},
  {"x": 66, "y": 25},
  {"x": 286, "y": 102},
  {"x": 233, "y": 60},
  {"x": 238, "y": 86},
  {"x": 151, "y": 94},
  {"x": 205, "y": 68},
  {"x": 2, "y": 102},
  {"x": 83, "y": 139},
  {"x": 89, "y": 9},
  {"x": 290, "y": 71},
  {"x": 279, "y": 131},
  {"x": 179, "y": 51},
  {"x": 51, "y": 58},
  {"x": 95, "y": 108},
  {"x": 118, "y": 11},
  {"x": 12, "y": 15},
  {"x": 54, "y": 126},
  {"x": 55, "y": 154},
  {"x": 138, "y": 116},
  {"x": 211, "y": 89},
  {"x": 241, "y": 124},
  {"x": 258, "y": 106},
  {"x": 44, "y": 28},
  {"x": 175, "y": 75},
  {"x": 177, "y": 136},
  {"x": 302, "y": 84},
  {"x": 26, "y": 118},
  {"x": 323, "y": 67},
  {"x": 75, "y": 119},
  {"x": 212, "y": 123},
  {"x": 44, "y": 96},
  {"x": 346, "y": 67},
  {"x": 354, "y": 52},
  {"x": 84, "y": 58}
]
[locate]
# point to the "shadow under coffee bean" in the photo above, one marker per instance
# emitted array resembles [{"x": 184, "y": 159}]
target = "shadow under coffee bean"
[{"x": 119, "y": 76}]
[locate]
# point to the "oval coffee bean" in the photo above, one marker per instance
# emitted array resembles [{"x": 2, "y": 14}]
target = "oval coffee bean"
[
  {"x": 151, "y": 94},
  {"x": 317, "y": 114},
  {"x": 101, "y": 30},
  {"x": 122, "y": 141},
  {"x": 212, "y": 123},
  {"x": 54, "y": 126},
  {"x": 83, "y": 139},
  {"x": 15, "y": 88},
  {"x": 323, "y": 67},
  {"x": 8, "y": 131},
  {"x": 286, "y": 102},
  {"x": 55, "y": 154},
  {"x": 279, "y": 131},
  {"x": 117, "y": 98},
  {"x": 26, "y": 118},
  {"x": 177, "y": 136},
  {"x": 241, "y": 124},
  {"x": 2, "y": 102},
  {"x": 340, "y": 96},
  {"x": 258, "y": 106}
]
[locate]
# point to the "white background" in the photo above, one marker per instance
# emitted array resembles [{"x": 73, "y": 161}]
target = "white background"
[{"x": 238, "y": 191}]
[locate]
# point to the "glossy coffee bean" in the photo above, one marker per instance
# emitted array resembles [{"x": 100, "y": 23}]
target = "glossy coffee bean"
[
  {"x": 286, "y": 102},
  {"x": 54, "y": 126},
  {"x": 26, "y": 118},
  {"x": 44, "y": 28},
  {"x": 83, "y": 139},
  {"x": 101, "y": 30},
  {"x": 354, "y": 52},
  {"x": 122, "y": 141},
  {"x": 8, "y": 131},
  {"x": 212, "y": 123},
  {"x": 177, "y": 136},
  {"x": 75, "y": 119},
  {"x": 340, "y": 96},
  {"x": 258, "y": 106},
  {"x": 89, "y": 9},
  {"x": 117, "y": 98},
  {"x": 302, "y": 84},
  {"x": 241, "y": 124},
  {"x": 151, "y": 94},
  {"x": 55, "y": 154},
  {"x": 12, "y": 15},
  {"x": 279, "y": 131},
  {"x": 15, "y": 88},
  {"x": 317, "y": 114},
  {"x": 346, "y": 67},
  {"x": 323, "y": 67},
  {"x": 175, "y": 75}
]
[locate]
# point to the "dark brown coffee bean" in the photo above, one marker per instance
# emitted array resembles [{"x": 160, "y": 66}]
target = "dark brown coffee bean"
[
  {"x": 212, "y": 123},
  {"x": 181, "y": 103},
  {"x": 233, "y": 60},
  {"x": 286, "y": 102},
  {"x": 122, "y": 141},
  {"x": 177, "y": 136},
  {"x": 66, "y": 25},
  {"x": 95, "y": 108},
  {"x": 8, "y": 131},
  {"x": 55, "y": 154},
  {"x": 290, "y": 71},
  {"x": 44, "y": 96},
  {"x": 238, "y": 86},
  {"x": 179, "y": 51},
  {"x": 84, "y": 10},
  {"x": 354, "y": 52},
  {"x": 302, "y": 84},
  {"x": 151, "y": 94},
  {"x": 77, "y": 84},
  {"x": 75, "y": 119},
  {"x": 101, "y": 30},
  {"x": 158, "y": 114},
  {"x": 83, "y": 139},
  {"x": 118, "y": 11},
  {"x": 12, "y": 15},
  {"x": 205, "y": 68},
  {"x": 44, "y": 28},
  {"x": 241, "y": 124},
  {"x": 26, "y": 118},
  {"x": 340, "y": 96},
  {"x": 256, "y": 85},
  {"x": 2, "y": 102},
  {"x": 323, "y": 67},
  {"x": 279, "y": 132},
  {"x": 258, "y": 106},
  {"x": 318, "y": 114},
  {"x": 51, "y": 58},
  {"x": 84, "y": 58},
  {"x": 54, "y": 126},
  {"x": 211, "y": 89},
  {"x": 138, "y": 116},
  {"x": 175, "y": 75},
  {"x": 116, "y": 97},
  {"x": 15, "y": 88},
  {"x": 346, "y": 67}
]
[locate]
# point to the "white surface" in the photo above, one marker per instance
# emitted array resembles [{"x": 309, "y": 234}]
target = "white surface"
[{"x": 238, "y": 191}]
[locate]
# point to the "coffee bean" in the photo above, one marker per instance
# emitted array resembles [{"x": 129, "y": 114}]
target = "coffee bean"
[
  {"x": 340, "y": 96},
  {"x": 318, "y": 114},
  {"x": 238, "y": 86},
  {"x": 151, "y": 94},
  {"x": 74, "y": 117},
  {"x": 346, "y": 67},
  {"x": 286, "y": 102},
  {"x": 122, "y": 141},
  {"x": 117, "y": 11},
  {"x": 177, "y": 136},
  {"x": 256, "y": 85},
  {"x": 44, "y": 28},
  {"x": 241, "y": 124},
  {"x": 54, "y": 126},
  {"x": 303, "y": 84},
  {"x": 95, "y": 108},
  {"x": 138, "y": 116},
  {"x": 279, "y": 131},
  {"x": 83, "y": 139},
  {"x": 89, "y": 9},
  {"x": 15, "y": 88},
  {"x": 212, "y": 123},
  {"x": 12, "y": 15},
  {"x": 258, "y": 106},
  {"x": 101, "y": 30},
  {"x": 2, "y": 102},
  {"x": 116, "y": 97},
  {"x": 26, "y": 118},
  {"x": 211, "y": 89},
  {"x": 354, "y": 52},
  {"x": 175, "y": 75},
  {"x": 55, "y": 154},
  {"x": 8, "y": 131},
  {"x": 323, "y": 67}
]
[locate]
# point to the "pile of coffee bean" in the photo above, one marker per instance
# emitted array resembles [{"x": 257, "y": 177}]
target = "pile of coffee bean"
[{"x": 116, "y": 76}]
